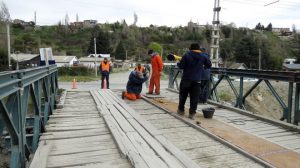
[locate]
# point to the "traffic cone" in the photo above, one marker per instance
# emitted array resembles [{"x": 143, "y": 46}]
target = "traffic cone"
[{"x": 74, "y": 84}]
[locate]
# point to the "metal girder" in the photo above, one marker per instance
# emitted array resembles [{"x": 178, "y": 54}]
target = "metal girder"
[
  {"x": 250, "y": 90},
  {"x": 16, "y": 87},
  {"x": 261, "y": 75},
  {"x": 286, "y": 76}
]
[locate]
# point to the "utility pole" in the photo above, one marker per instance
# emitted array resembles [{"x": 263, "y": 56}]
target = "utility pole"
[
  {"x": 215, "y": 34},
  {"x": 8, "y": 44},
  {"x": 95, "y": 56},
  {"x": 259, "y": 59}
]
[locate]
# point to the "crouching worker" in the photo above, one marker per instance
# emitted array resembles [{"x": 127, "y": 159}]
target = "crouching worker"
[{"x": 135, "y": 85}]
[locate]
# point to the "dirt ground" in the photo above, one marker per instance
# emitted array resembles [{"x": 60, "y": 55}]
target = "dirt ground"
[{"x": 260, "y": 101}]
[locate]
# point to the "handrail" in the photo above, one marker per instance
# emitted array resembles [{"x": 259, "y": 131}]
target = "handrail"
[
  {"x": 17, "y": 90},
  {"x": 293, "y": 78}
]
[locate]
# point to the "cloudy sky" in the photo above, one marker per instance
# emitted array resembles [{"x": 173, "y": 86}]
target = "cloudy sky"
[{"x": 244, "y": 13}]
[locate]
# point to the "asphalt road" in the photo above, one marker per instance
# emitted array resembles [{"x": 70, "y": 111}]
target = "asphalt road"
[{"x": 117, "y": 81}]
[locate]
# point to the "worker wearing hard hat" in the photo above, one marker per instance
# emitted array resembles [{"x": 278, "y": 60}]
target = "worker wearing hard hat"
[
  {"x": 157, "y": 67},
  {"x": 204, "y": 88},
  {"x": 192, "y": 63},
  {"x": 135, "y": 85}
]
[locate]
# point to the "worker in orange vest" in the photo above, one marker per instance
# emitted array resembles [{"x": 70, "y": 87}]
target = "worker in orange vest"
[
  {"x": 105, "y": 69},
  {"x": 157, "y": 67},
  {"x": 140, "y": 68}
]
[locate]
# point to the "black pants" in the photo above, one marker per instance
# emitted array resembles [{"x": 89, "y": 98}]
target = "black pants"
[
  {"x": 189, "y": 88},
  {"x": 203, "y": 91},
  {"x": 105, "y": 76}
]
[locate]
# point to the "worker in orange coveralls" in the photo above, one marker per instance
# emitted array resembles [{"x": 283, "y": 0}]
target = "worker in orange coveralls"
[
  {"x": 157, "y": 67},
  {"x": 140, "y": 68},
  {"x": 135, "y": 85}
]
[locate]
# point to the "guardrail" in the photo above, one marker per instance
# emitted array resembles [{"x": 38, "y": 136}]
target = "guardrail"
[
  {"x": 293, "y": 78},
  {"x": 36, "y": 87}
]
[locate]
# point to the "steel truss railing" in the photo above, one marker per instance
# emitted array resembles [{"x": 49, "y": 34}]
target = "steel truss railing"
[
  {"x": 37, "y": 87},
  {"x": 293, "y": 78}
]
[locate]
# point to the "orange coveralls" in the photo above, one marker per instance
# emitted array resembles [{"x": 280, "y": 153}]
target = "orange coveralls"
[{"x": 157, "y": 67}]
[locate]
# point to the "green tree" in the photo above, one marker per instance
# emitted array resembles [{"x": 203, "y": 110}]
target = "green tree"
[
  {"x": 120, "y": 51},
  {"x": 247, "y": 52},
  {"x": 102, "y": 42},
  {"x": 155, "y": 47},
  {"x": 269, "y": 27}
]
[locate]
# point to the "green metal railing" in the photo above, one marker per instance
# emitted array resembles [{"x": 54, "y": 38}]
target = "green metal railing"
[
  {"x": 293, "y": 78},
  {"x": 36, "y": 87}
]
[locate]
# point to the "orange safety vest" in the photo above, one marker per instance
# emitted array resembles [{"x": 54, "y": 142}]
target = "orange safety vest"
[
  {"x": 140, "y": 70},
  {"x": 105, "y": 67}
]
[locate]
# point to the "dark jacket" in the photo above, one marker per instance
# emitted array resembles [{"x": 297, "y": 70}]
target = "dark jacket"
[
  {"x": 135, "y": 84},
  {"x": 206, "y": 73},
  {"x": 193, "y": 64}
]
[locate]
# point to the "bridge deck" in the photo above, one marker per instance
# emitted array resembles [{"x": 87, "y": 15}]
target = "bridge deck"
[
  {"x": 80, "y": 137},
  {"x": 105, "y": 132}
]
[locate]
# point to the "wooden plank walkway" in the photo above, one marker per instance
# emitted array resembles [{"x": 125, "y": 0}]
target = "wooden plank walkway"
[
  {"x": 202, "y": 149},
  {"x": 80, "y": 137},
  {"x": 99, "y": 129},
  {"x": 138, "y": 140},
  {"x": 282, "y": 136}
]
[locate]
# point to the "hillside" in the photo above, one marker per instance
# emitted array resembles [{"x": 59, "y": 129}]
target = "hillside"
[{"x": 237, "y": 45}]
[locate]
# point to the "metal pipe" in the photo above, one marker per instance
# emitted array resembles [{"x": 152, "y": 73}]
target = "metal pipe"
[{"x": 296, "y": 108}]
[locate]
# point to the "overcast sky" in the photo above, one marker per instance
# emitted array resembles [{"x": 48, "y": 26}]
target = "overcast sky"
[{"x": 244, "y": 13}]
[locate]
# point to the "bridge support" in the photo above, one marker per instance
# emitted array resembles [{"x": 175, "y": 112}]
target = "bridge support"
[{"x": 18, "y": 89}]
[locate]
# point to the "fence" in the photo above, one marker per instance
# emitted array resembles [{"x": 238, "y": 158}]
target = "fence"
[
  {"x": 18, "y": 89},
  {"x": 293, "y": 79}
]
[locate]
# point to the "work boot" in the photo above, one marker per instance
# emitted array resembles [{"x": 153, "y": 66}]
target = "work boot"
[
  {"x": 180, "y": 112},
  {"x": 149, "y": 93},
  {"x": 123, "y": 95},
  {"x": 192, "y": 116}
]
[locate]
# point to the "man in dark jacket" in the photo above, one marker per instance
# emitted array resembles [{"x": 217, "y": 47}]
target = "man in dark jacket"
[
  {"x": 192, "y": 63},
  {"x": 134, "y": 85},
  {"x": 205, "y": 81}
]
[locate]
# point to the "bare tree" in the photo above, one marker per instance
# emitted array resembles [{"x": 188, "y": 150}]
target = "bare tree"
[{"x": 135, "y": 19}]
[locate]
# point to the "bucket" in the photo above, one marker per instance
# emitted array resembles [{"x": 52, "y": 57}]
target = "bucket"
[{"x": 208, "y": 112}]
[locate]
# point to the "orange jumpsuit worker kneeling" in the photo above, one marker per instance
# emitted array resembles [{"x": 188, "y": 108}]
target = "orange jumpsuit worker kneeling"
[
  {"x": 157, "y": 67},
  {"x": 134, "y": 85}
]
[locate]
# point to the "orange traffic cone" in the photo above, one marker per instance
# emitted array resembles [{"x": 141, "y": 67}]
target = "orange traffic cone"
[{"x": 74, "y": 84}]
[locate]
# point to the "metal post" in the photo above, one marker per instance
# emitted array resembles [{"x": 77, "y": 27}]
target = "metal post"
[
  {"x": 296, "y": 110},
  {"x": 290, "y": 102},
  {"x": 240, "y": 98},
  {"x": 95, "y": 56},
  {"x": 8, "y": 44},
  {"x": 259, "y": 59},
  {"x": 215, "y": 34}
]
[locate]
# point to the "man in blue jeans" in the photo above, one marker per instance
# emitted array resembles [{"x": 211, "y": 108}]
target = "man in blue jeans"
[{"x": 192, "y": 63}]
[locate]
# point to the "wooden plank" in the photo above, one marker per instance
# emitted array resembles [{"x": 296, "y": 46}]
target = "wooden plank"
[
  {"x": 119, "y": 136},
  {"x": 166, "y": 156},
  {"x": 154, "y": 132},
  {"x": 41, "y": 154}
]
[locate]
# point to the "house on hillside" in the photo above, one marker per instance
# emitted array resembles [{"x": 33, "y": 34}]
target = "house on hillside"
[
  {"x": 238, "y": 66},
  {"x": 90, "y": 61},
  {"x": 26, "y": 60},
  {"x": 65, "y": 61},
  {"x": 89, "y": 23}
]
